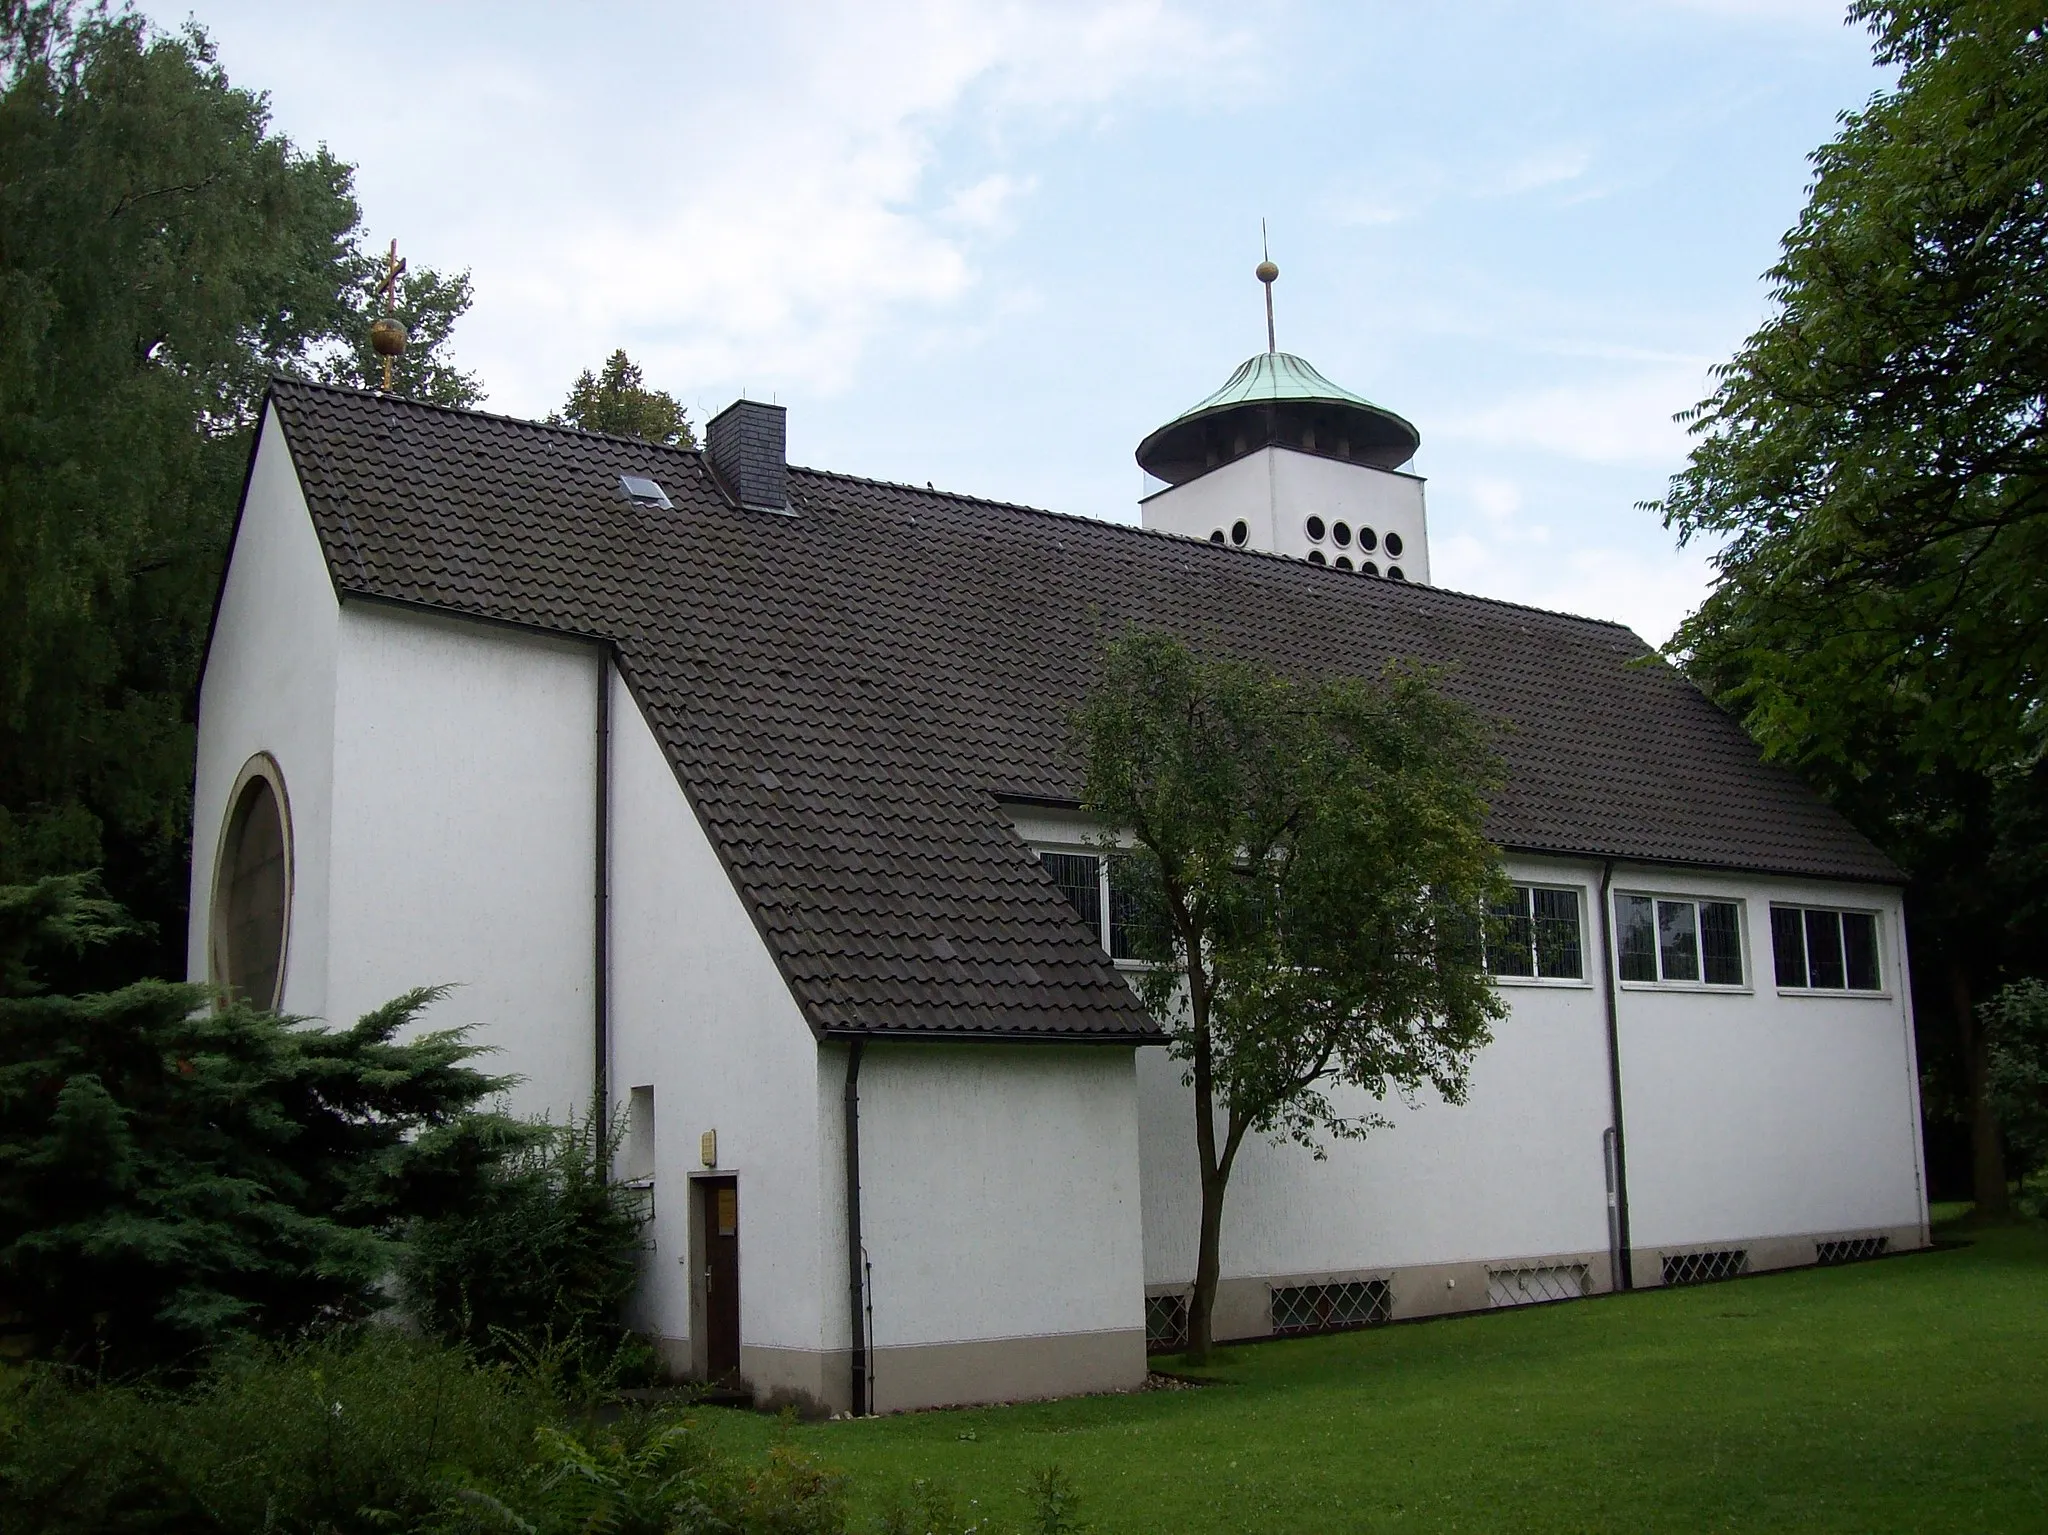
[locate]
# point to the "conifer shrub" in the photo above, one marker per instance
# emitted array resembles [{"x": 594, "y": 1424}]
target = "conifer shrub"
[
  {"x": 176, "y": 1174},
  {"x": 536, "y": 1268}
]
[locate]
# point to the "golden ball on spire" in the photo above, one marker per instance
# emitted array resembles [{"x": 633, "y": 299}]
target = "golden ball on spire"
[
  {"x": 1266, "y": 272},
  {"x": 387, "y": 336}
]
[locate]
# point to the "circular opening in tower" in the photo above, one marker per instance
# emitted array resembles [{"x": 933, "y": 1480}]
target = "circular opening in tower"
[{"x": 252, "y": 886}]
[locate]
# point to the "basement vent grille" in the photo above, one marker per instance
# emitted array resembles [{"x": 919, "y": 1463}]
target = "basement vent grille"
[
  {"x": 641, "y": 491},
  {"x": 1850, "y": 1249},
  {"x": 1166, "y": 1324},
  {"x": 1527, "y": 1286},
  {"x": 1328, "y": 1307},
  {"x": 1706, "y": 1267}
]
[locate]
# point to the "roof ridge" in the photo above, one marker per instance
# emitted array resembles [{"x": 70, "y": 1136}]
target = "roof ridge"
[
  {"x": 928, "y": 489},
  {"x": 1140, "y": 530},
  {"x": 381, "y": 397}
]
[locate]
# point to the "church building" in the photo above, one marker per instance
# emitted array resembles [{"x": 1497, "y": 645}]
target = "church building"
[{"x": 735, "y": 797}]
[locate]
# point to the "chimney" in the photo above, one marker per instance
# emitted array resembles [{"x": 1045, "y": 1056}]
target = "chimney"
[{"x": 747, "y": 442}]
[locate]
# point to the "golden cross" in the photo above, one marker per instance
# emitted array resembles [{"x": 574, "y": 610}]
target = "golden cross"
[{"x": 393, "y": 269}]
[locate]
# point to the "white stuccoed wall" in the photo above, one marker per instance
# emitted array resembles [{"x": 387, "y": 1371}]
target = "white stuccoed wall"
[
  {"x": 1275, "y": 490},
  {"x": 999, "y": 1191},
  {"x": 1748, "y": 1114},
  {"x": 700, "y": 1013},
  {"x": 1767, "y": 1114},
  {"x": 1515, "y": 1171},
  {"x": 269, "y": 686},
  {"x": 464, "y": 822}
]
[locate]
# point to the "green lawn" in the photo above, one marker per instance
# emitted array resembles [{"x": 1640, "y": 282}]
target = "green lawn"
[{"x": 1905, "y": 1394}]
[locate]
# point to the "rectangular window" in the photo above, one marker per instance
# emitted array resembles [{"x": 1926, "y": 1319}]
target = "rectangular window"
[
  {"x": 1859, "y": 950},
  {"x": 1817, "y": 949},
  {"x": 1511, "y": 937},
  {"x": 1558, "y": 954},
  {"x": 1788, "y": 947},
  {"x": 1090, "y": 884},
  {"x": 1720, "y": 943},
  {"x": 1123, "y": 913},
  {"x": 1824, "y": 951},
  {"x": 1079, "y": 876},
  {"x": 1536, "y": 934},
  {"x": 1638, "y": 922},
  {"x": 1677, "y": 940}
]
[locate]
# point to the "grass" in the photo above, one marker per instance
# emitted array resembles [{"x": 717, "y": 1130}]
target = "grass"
[{"x": 1905, "y": 1394}]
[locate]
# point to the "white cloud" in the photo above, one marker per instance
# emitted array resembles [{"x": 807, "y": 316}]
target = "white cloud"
[
  {"x": 1625, "y": 419},
  {"x": 1649, "y": 591},
  {"x": 738, "y": 196},
  {"x": 1532, "y": 172}
]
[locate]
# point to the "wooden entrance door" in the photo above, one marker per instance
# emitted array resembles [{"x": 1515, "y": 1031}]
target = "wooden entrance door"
[{"x": 721, "y": 1217}]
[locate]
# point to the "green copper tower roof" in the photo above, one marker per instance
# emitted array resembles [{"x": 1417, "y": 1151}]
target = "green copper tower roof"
[{"x": 1276, "y": 399}]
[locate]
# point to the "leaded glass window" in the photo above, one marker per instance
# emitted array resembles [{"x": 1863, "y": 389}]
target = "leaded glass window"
[
  {"x": 1677, "y": 940},
  {"x": 1818, "y": 949}
]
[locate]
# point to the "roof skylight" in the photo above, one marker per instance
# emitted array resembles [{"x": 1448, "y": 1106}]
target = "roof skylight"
[{"x": 642, "y": 491}]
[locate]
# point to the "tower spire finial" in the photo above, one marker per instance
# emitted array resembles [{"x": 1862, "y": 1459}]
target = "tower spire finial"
[{"x": 1267, "y": 273}]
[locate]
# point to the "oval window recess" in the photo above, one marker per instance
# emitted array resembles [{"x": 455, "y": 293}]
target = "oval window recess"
[
  {"x": 1239, "y": 533},
  {"x": 252, "y": 888},
  {"x": 1341, "y": 532},
  {"x": 1315, "y": 530},
  {"x": 1368, "y": 568},
  {"x": 1216, "y": 537},
  {"x": 1394, "y": 573},
  {"x": 1368, "y": 540},
  {"x": 1394, "y": 545},
  {"x": 1315, "y": 557},
  {"x": 1343, "y": 562}
]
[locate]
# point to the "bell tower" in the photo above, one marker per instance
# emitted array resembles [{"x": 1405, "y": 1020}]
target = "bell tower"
[{"x": 1283, "y": 460}]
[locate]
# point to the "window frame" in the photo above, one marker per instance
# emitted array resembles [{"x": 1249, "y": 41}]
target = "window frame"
[
  {"x": 221, "y": 959},
  {"x": 1745, "y": 948},
  {"x": 1106, "y": 913},
  {"x": 1584, "y": 979},
  {"x": 1883, "y": 992}
]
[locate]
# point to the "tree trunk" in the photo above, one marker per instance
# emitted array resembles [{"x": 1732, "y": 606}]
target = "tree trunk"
[
  {"x": 1207, "y": 1261},
  {"x": 1987, "y": 1147},
  {"x": 1208, "y": 1264}
]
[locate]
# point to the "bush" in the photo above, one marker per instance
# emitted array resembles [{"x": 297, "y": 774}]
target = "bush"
[
  {"x": 174, "y": 1174},
  {"x": 351, "y": 1433},
  {"x": 544, "y": 1257},
  {"x": 2016, "y": 1025}
]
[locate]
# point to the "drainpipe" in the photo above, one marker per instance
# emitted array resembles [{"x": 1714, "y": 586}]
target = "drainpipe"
[
  {"x": 1616, "y": 1146},
  {"x": 855, "y": 1321},
  {"x": 601, "y": 918}
]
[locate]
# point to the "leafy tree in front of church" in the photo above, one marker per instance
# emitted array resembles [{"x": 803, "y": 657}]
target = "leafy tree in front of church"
[
  {"x": 1308, "y": 878},
  {"x": 174, "y": 1175},
  {"x": 1875, "y": 467},
  {"x": 617, "y": 400},
  {"x": 162, "y": 252}
]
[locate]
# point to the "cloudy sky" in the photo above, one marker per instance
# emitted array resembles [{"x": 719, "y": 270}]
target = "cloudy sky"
[{"x": 990, "y": 245}]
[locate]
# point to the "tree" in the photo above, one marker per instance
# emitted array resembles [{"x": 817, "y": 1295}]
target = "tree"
[
  {"x": 1874, "y": 458},
  {"x": 2015, "y": 1022},
  {"x": 173, "y": 1173},
  {"x": 162, "y": 253},
  {"x": 1308, "y": 879},
  {"x": 618, "y": 401}
]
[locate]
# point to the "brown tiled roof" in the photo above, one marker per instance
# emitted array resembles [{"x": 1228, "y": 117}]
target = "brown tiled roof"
[{"x": 845, "y": 692}]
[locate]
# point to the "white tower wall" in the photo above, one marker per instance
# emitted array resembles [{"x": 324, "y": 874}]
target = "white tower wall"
[{"x": 1274, "y": 491}]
